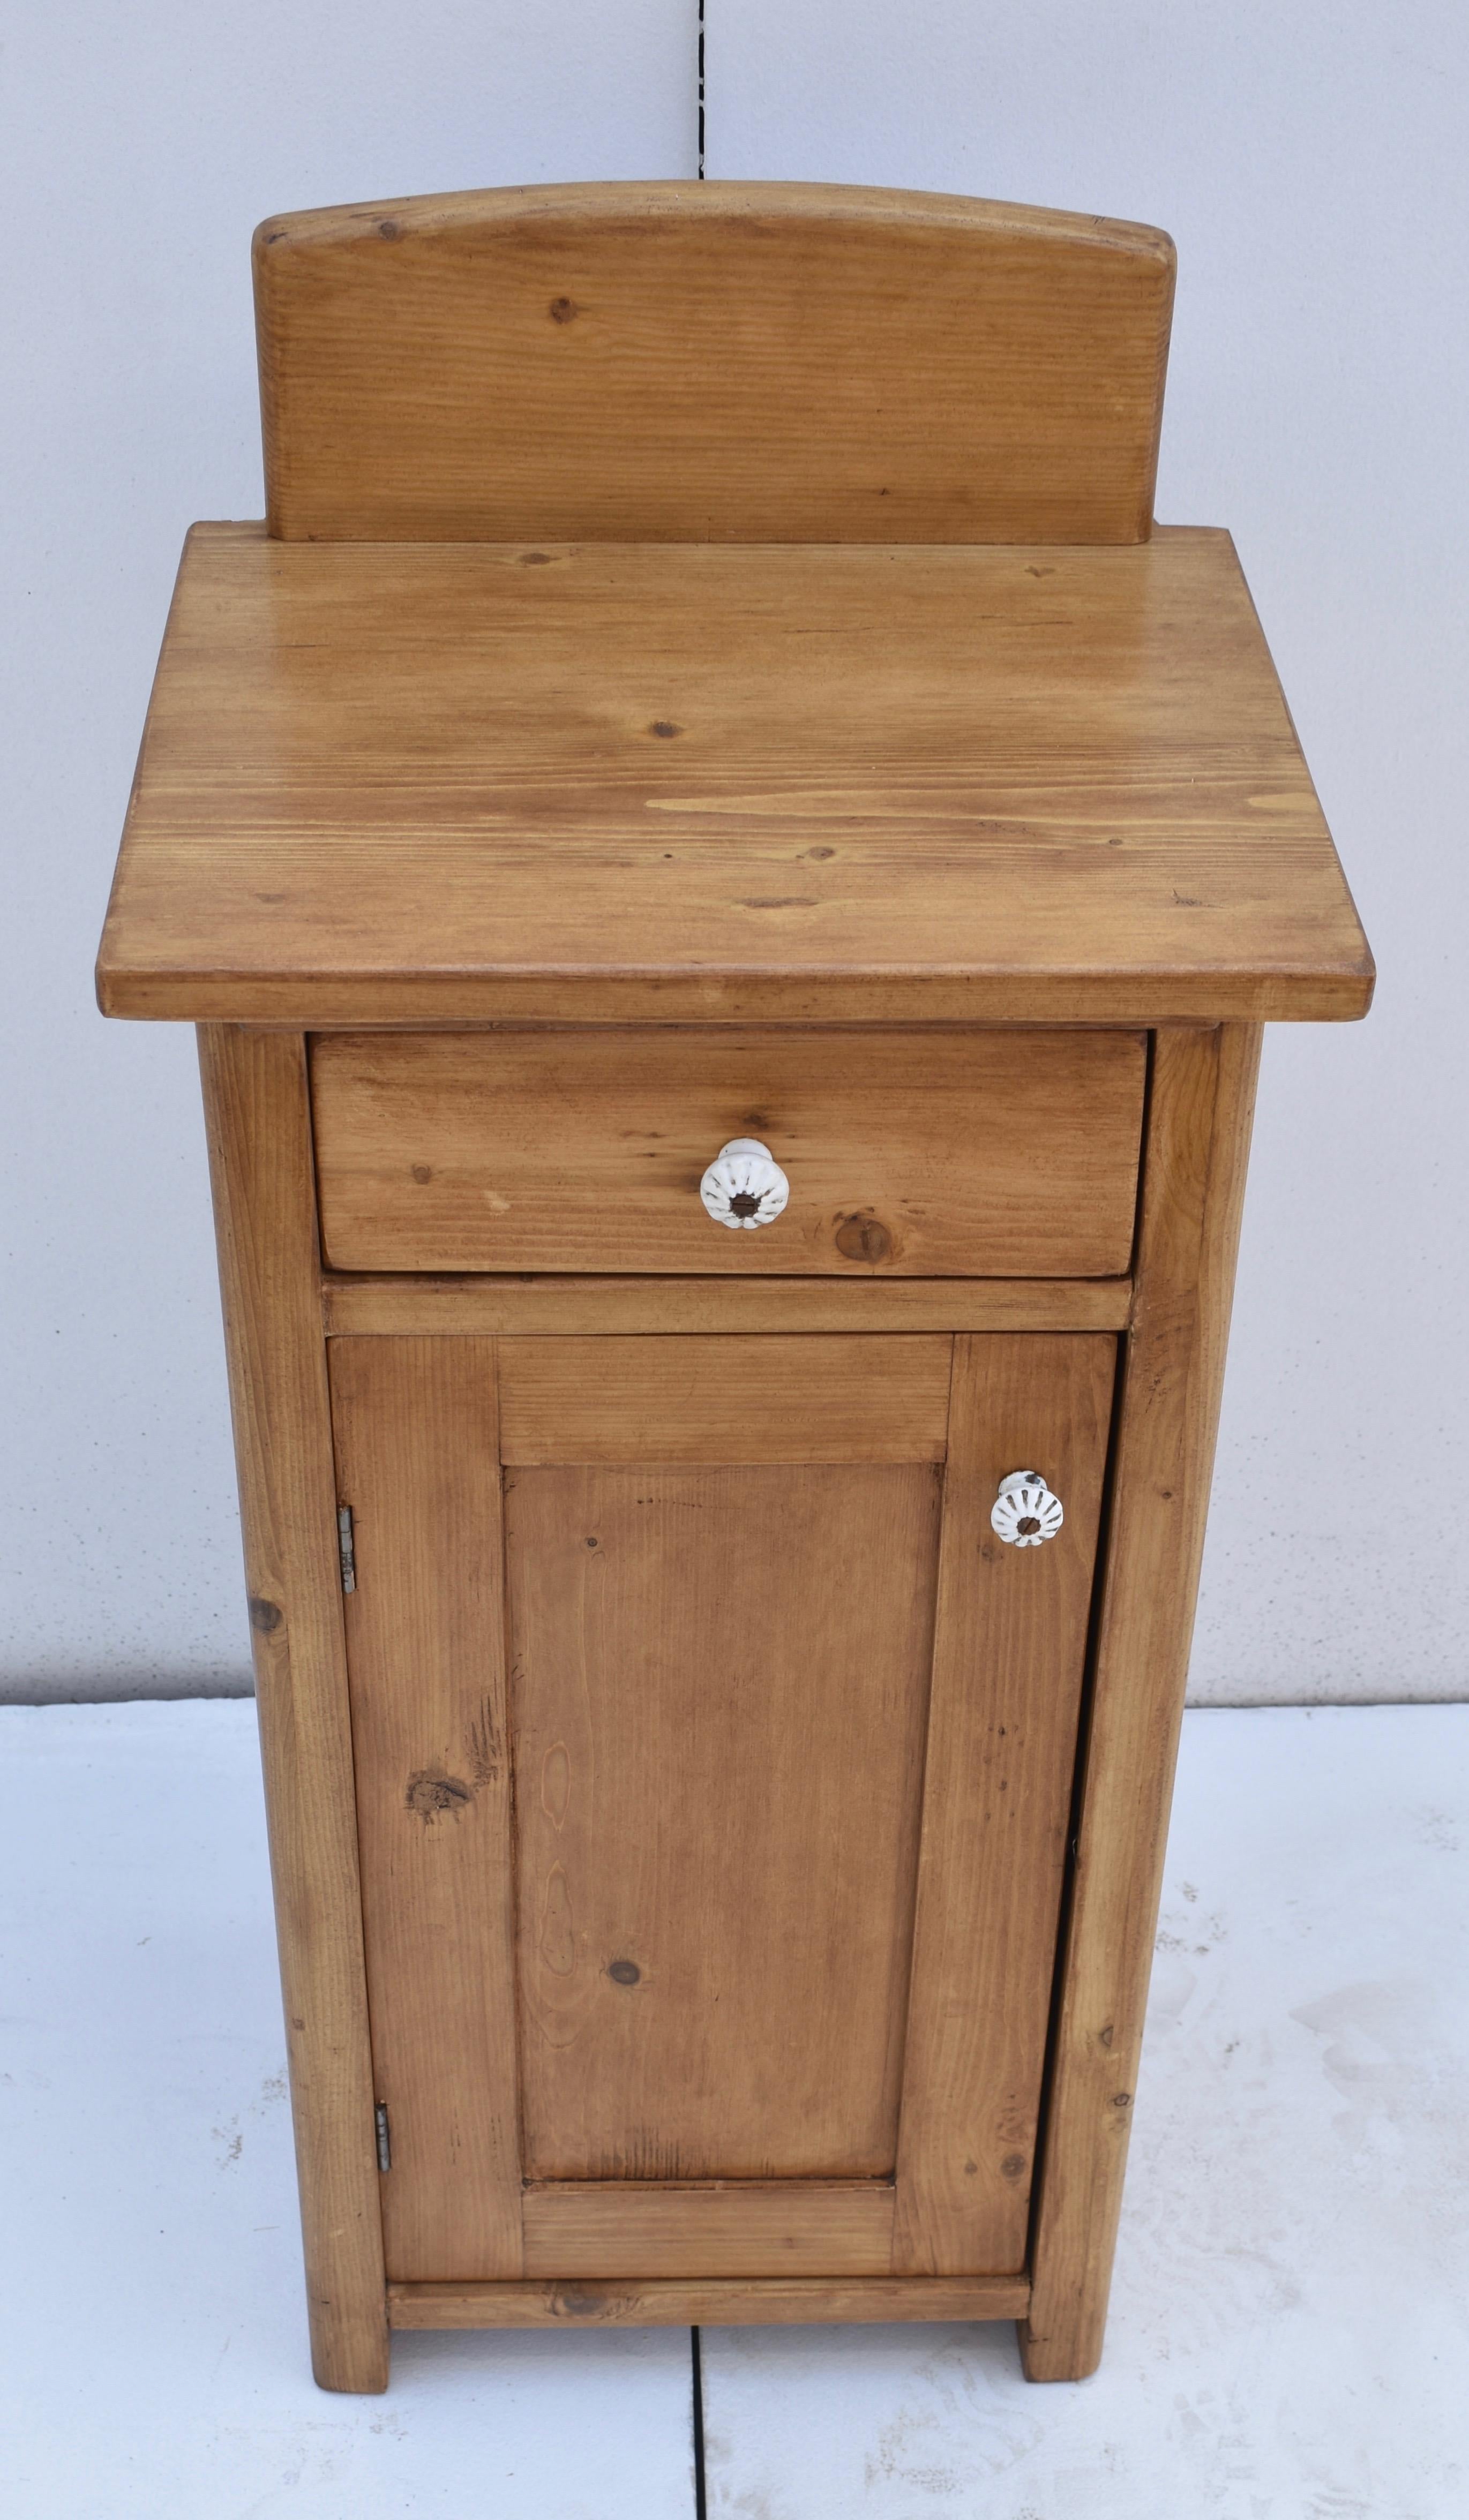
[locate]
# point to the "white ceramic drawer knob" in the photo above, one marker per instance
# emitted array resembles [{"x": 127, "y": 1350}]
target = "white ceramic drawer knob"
[
  {"x": 744, "y": 1184},
  {"x": 1025, "y": 1512}
]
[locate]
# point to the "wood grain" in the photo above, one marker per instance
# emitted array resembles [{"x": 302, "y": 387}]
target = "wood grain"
[
  {"x": 720, "y": 1682},
  {"x": 1201, "y": 1109},
  {"x": 539, "y": 1307},
  {"x": 929, "y": 1152},
  {"x": 396, "y": 785},
  {"x": 255, "y": 1115},
  {"x": 709, "y": 672},
  {"x": 710, "y": 362},
  {"x": 1009, "y": 1657},
  {"x": 829, "y": 2227},
  {"x": 672, "y": 2303},
  {"x": 417, "y": 1461},
  {"x": 727, "y": 1399}
]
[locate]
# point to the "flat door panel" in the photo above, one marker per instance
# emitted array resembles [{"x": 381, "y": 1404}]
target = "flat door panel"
[
  {"x": 748, "y": 2226},
  {"x": 418, "y": 1460},
  {"x": 729, "y": 1400},
  {"x": 721, "y": 1686}
]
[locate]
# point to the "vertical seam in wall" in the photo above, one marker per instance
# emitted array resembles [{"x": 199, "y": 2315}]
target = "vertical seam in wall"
[
  {"x": 701, "y": 2485},
  {"x": 701, "y": 91}
]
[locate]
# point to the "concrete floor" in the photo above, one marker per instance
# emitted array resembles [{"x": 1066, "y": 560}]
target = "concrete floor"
[
  {"x": 1288, "y": 2336},
  {"x": 1289, "y": 2331}
]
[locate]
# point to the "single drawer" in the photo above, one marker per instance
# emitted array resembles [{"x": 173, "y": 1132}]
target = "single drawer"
[{"x": 932, "y": 1154}]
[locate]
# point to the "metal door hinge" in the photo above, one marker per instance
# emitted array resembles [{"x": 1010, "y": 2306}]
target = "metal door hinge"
[
  {"x": 346, "y": 1549},
  {"x": 385, "y": 2139}
]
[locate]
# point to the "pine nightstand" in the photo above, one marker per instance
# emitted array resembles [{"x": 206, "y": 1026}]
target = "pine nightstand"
[{"x": 729, "y": 881}]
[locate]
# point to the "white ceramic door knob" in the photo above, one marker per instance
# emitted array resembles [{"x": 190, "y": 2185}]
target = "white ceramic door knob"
[
  {"x": 1025, "y": 1512},
  {"x": 744, "y": 1184}
]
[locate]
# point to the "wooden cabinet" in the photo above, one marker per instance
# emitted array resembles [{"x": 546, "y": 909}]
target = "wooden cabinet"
[{"x": 717, "y": 1824}]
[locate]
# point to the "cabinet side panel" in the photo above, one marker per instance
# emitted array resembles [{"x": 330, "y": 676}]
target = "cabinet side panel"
[
  {"x": 1010, "y": 1651},
  {"x": 417, "y": 1461},
  {"x": 1202, "y": 1106},
  {"x": 721, "y": 1683},
  {"x": 255, "y": 1112}
]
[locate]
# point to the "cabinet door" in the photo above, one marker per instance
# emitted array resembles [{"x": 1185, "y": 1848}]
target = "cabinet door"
[{"x": 713, "y": 1768}]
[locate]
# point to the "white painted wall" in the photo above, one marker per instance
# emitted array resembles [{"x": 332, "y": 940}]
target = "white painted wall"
[
  {"x": 1308, "y": 156},
  {"x": 141, "y": 143},
  {"x": 1309, "y": 159}
]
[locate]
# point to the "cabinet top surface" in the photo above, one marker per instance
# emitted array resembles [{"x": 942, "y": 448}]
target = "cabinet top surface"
[{"x": 455, "y": 782}]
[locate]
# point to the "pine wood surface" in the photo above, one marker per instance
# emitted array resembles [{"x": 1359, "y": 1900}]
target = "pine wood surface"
[
  {"x": 254, "y": 1089},
  {"x": 773, "y": 2301},
  {"x": 539, "y": 1307},
  {"x": 721, "y": 1683},
  {"x": 1010, "y": 1651},
  {"x": 718, "y": 608},
  {"x": 710, "y": 362},
  {"x": 1199, "y": 1133},
  {"x": 709, "y": 2005},
  {"x": 729, "y": 1400},
  {"x": 454, "y": 783},
  {"x": 828, "y": 2226},
  {"x": 924, "y": 1153},
  {"x": 418, "y": 1460}
]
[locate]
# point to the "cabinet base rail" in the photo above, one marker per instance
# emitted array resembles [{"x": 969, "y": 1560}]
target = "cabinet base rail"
[{"x": 753, "y": 2301}]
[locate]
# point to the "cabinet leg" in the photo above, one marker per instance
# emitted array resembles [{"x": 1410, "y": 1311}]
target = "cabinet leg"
[
  {"x": 1073, "y": 2356},
  {"x": 349, "y": 2346},
  {"x": 260, "y": 1161},
  {"x": 1202, "y": 1096}
]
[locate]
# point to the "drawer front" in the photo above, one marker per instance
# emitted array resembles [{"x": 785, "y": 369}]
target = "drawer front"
[{"x": 931, "y": 1153}]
